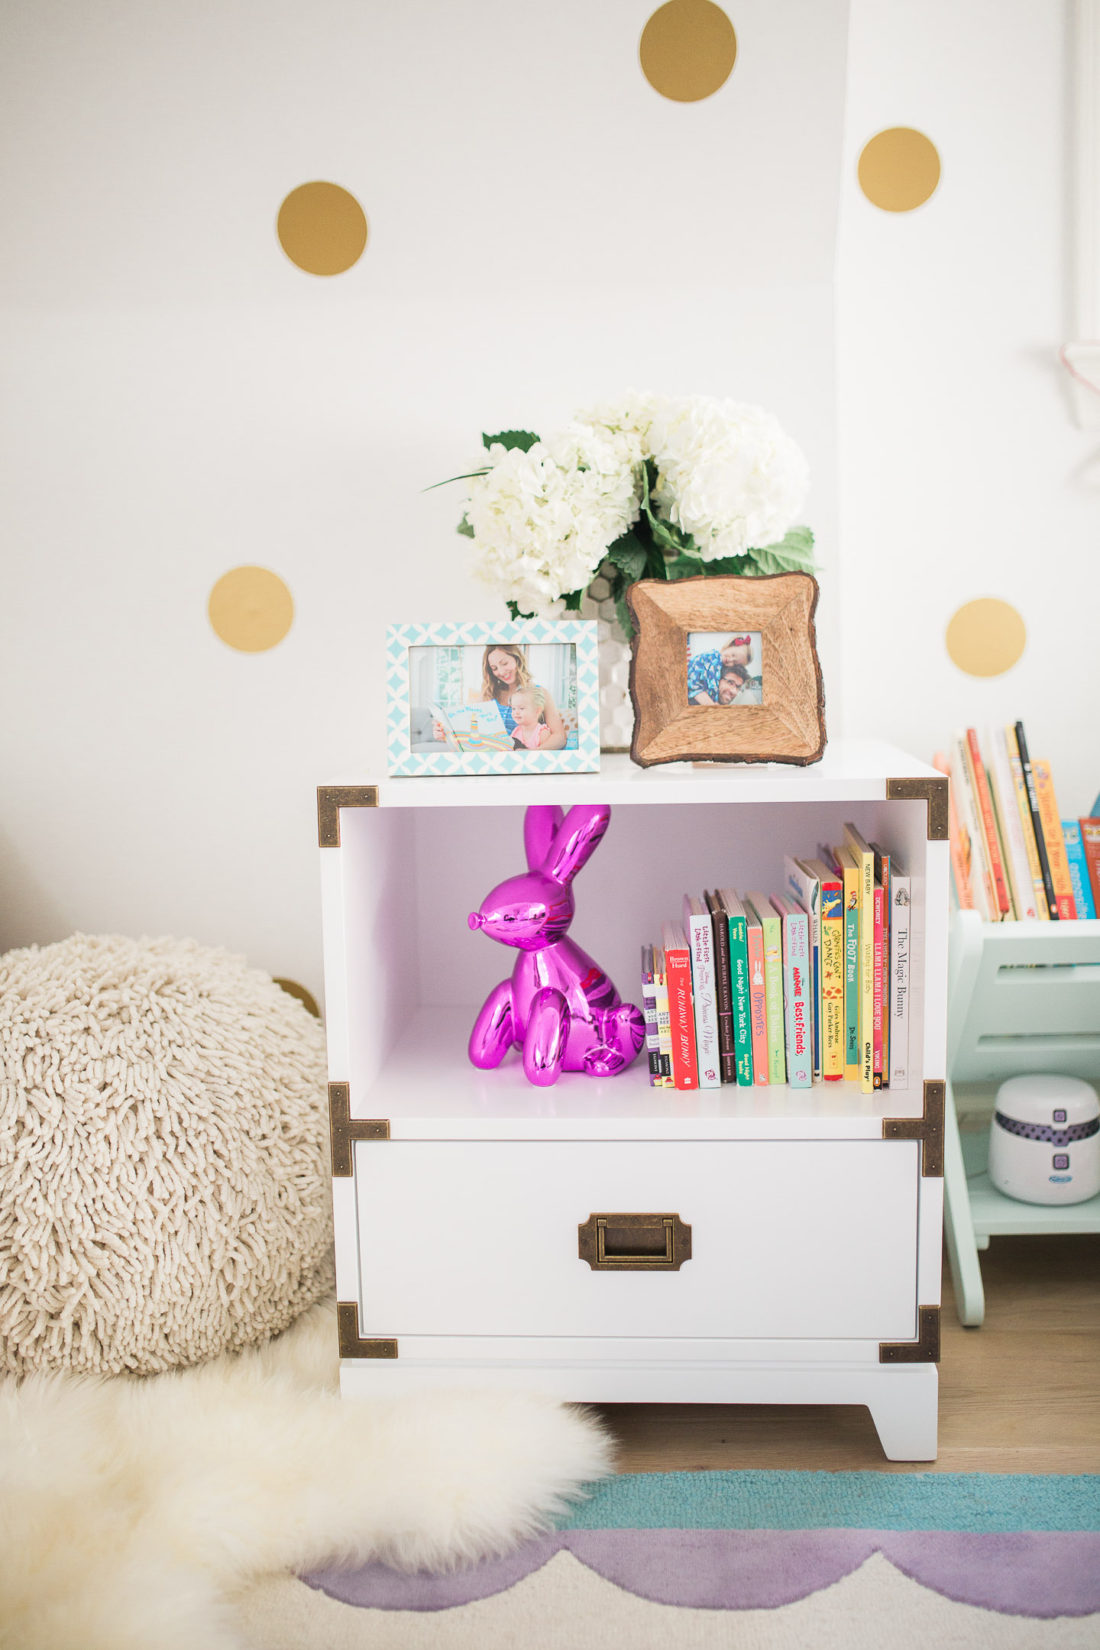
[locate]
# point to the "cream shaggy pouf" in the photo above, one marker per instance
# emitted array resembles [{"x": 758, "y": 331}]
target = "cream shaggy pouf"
[
  {"x": 164, "y": 1177},
  {"x": 134, "y": 1512}
]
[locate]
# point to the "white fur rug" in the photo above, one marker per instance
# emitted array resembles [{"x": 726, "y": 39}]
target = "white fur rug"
[{"x": 133, "y": 1510}]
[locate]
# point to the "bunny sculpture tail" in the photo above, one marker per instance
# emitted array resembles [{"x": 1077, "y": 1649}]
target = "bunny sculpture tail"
[{"x": 559, "y": 1006}]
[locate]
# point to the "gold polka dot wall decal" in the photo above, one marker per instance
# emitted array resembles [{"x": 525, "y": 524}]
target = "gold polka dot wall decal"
[
  {"x": 251, "y": 609},
  {"x": 899, "y": 169},
  {"x": 306, "y": 998},
  {"x": 986, "y": 637},
  {"x": 688, "y": 49},
  {"x": 322, "y": 228}
]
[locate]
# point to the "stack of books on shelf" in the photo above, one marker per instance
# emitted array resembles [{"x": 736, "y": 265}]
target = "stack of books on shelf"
[
  {"x": 1013, "y": 857},
  {"x": 803, "y": 984}
]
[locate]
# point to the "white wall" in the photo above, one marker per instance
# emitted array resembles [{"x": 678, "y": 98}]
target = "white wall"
[
  {"x": 180, "y": 399},
  {"x": 962, "y": 472},
  {"x": 545, "y": 230}
]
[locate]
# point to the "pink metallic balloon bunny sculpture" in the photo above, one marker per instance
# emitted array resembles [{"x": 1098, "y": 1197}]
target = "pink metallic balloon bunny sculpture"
[{"x": 559, "y": 1006}]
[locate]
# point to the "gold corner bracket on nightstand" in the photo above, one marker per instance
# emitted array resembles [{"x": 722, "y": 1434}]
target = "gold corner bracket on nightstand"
[
  {"x": 351, "y": 1345},
  {"x": 928, "y": 1129},
  {"x": 330, "y": 799},
  {"x": 932, "y": 791},
  {"x": 924, "y": 1350},
  {"x": 344, "y": 1129}
]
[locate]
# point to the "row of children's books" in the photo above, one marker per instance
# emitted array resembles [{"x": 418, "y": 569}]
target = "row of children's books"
[
  {"x": 803, "y": 985},
  {"x": 1013, "y": 857}
]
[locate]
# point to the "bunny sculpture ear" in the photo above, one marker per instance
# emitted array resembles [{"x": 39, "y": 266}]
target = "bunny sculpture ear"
[
  {"x": 539, "y": 827},
  {"x": 576, "y": 840}
]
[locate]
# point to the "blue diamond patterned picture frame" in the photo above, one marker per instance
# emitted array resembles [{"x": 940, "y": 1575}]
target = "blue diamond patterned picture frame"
[{"x": 518, "y": 697}]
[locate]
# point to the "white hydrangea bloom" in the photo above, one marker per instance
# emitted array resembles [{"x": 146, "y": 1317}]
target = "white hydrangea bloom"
[
  {"x": 543, "y": 519},
  {"x": 629, "y": 418},
  {"x": 728, "y": 474}
]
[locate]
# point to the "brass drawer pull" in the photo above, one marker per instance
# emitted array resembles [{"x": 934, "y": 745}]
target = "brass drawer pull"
[{"x": 634, "y": 1243}]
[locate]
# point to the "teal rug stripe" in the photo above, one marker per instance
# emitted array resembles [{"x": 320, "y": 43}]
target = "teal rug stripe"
[{"x": 841, "y": 1501}]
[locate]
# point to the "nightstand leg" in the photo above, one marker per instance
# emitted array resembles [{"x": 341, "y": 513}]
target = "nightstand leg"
[{"x": 904, "y": 1407}]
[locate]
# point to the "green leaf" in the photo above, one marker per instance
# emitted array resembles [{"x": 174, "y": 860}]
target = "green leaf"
[
  {"x": 572, "y": 600},
  {"x": 624, "y": 616},
  {"x": 793, "y": 553},
  {"x": 513, "y": 608},
  {"x": 465, "y": 529},
  {"x": 523, "y": 439},
  {"x": 729, "y": 564},
  {"x": 628, "y": 555},
  {"x": 684, "y": 567}
]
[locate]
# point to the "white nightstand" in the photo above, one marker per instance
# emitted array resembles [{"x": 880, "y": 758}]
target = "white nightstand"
[{"x": 791, "y": 1250}]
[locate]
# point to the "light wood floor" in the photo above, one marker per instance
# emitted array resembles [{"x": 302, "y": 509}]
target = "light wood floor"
[{"x": 1020, "y": 1394}]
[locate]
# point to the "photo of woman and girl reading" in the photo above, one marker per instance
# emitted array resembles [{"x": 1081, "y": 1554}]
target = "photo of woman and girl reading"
[
  {"x": 502, "y": 697},
  {"x": 724, "y": 668}
]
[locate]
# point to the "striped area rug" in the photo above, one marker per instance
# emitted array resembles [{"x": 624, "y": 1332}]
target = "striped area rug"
[{"x": 768, "y": 1560}]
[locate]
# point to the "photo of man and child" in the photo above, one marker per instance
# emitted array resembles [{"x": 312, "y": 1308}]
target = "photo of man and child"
[
  {"x": 502, "y": 697},
  {"x": 724, "y": 668}
]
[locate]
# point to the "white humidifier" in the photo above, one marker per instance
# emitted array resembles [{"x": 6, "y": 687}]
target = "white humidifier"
[{"x": 1044, "y": 1141}]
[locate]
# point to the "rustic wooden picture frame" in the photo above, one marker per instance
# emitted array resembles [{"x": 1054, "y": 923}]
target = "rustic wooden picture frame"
[{"x": 789, "y": 726}]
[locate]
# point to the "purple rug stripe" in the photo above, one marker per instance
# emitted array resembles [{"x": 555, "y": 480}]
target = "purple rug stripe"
[
  {"x": 1041, "y": 1574},
  {"x": 377, "y": 1587}
]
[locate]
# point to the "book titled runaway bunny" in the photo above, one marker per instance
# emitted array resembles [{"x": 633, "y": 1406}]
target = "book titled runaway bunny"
[{"x": 559, "y": 1006}]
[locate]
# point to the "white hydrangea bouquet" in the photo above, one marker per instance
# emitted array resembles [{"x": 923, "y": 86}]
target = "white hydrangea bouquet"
[{"x": 661, "y": 487}]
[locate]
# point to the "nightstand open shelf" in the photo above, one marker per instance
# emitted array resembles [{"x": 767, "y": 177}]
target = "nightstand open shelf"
[{"x": 813, "y": 1270}]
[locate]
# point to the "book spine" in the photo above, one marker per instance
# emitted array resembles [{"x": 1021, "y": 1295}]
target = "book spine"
[
  {"x": 700, "y": 938},
  {"x": 1017, "y": 863},
  {"x": 649, "y": 1012},
  {"x": 685, "y": 1072},
  {"x": 900, "y": 896},
  {"x": 773, "y": 991},
  {"x": 960, "y": 856},
  {"x": 758, "y": 1004},
  {"x": 1023, "y": 814},
  {"x": 664, "y": 1023},
  {"x": 833, "y": 1028},
  {"x": 989, "y": 824},
  {"x": 866, "y": 972},
  {"x": 1090, "y": 843},
  {"x": 727, "y": 1068},
  {"x": 1052, "y": 837},
  {"x": 851, "y": 974},
  {"x": 1036, "y": 822},
  {"x": 804, "y": 887},
  {"x": 742, "y": 1022},
  {"x": 1078, "y": 868},
  {"x": 981, "y": 882},
  {"x": 797, "y": 980},
  {"x": 879, "y": 981},
  {"x": 884, "y": 870}
]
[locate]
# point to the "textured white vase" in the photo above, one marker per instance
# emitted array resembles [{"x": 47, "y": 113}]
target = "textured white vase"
[{"x": 616, "y": 710}]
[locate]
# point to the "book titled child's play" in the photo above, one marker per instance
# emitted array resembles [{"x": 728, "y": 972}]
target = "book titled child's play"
[
  {"x": 685, "y": 1069},
  {"x": 797, "y": 990},
  {"x": 700, "y": 938},
  {"x": 771, "y": 928}
]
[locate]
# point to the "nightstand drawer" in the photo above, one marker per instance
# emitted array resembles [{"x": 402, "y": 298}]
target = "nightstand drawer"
[{"x": 788, "y": 1240}]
